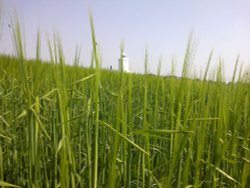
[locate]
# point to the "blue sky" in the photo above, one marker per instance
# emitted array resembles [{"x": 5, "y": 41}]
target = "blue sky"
[{"x": 163, "y": 26}]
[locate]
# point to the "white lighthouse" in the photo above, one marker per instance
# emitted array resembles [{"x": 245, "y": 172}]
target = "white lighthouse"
[{"x": 124, "y": 63}]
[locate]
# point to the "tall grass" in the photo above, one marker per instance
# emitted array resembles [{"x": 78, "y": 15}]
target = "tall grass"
[{"x": 66, "y": 126}]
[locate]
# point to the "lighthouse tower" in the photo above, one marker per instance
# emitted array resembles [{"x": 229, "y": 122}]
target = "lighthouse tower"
[{"x": 124, "y": 63}]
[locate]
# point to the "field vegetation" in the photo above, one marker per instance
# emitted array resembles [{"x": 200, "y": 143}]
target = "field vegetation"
[{"x": 68, "y": 126}]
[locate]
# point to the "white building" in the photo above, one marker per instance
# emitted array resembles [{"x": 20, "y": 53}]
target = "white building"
[{"x": 124, "y": 63}]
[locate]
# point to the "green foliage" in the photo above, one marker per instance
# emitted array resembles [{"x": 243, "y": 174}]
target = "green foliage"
[{"x": 66, "y": 126}]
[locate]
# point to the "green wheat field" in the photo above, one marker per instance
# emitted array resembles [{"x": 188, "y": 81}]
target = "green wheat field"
[{"x": 68, "y": 126}]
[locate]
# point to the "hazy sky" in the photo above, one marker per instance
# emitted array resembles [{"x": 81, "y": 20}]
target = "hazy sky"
[{"x": 161, "y": 25}]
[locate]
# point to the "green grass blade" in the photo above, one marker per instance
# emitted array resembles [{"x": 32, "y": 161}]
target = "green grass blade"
[{"x": 124, "y": 137}]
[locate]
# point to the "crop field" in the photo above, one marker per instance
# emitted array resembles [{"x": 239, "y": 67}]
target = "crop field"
[{"x": 68, "y": 126}]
